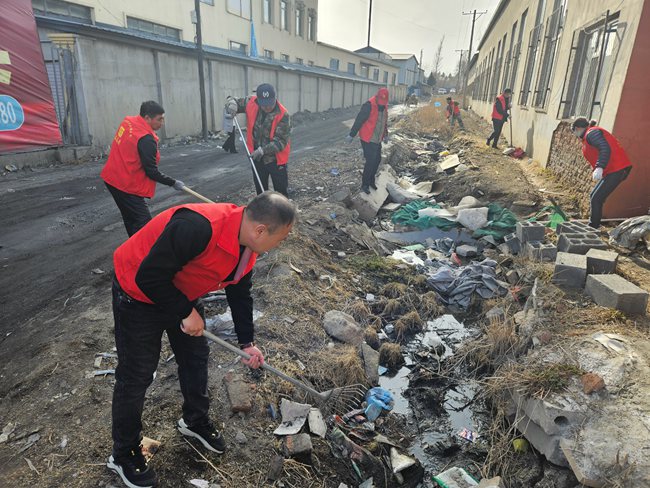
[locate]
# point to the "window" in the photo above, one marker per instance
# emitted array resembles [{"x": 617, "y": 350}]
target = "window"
[
  {"x": 516, "y": 51},
  {"x": 284, "y": 15},
  {"x": 593, "y": 54},
  {"x": 352, "y": 68},
  {"x": 300, "y": 29},
  {"x": 241, "y": 8},
  {"x": 238, "y": 47},
  {"x": 300, "y": 61},
  {"x": 310, "y": 63},
  {"x": 508, "y": 59},
  {"x": 334, "y": 64},
  {"x": 496, "y": 74},
  {"x": 375, "y": 74},
  {"x": 152, "y": 28},
  {"x": 284, "y": 57},
  {"x": 267, "y": 11},
  {"x": 394, "y": 79},
  {"x": 385, "y": 76},
  {"x": 365, "y": 71},
  {"x": 311, "y": 27},
  {"x": 208, "y": 2},
  {"x": 64, "y": 9},
  {"x": 533, "y": 49},
  {"x": 268, "y": 54},
  {"x": 551, "y": 38}
]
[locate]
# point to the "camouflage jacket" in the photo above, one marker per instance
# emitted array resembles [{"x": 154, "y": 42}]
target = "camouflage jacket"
[{"x": 262, "y": 130}]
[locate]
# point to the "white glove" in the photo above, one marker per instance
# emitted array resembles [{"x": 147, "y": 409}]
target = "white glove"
[
  {"x": 348, "y": 139},
  {"x": 231, "y": 106},
  {"x": 598, "y": 174},
  {"x": 178, "y": 185},
  {"x": 257, "y": 154}
]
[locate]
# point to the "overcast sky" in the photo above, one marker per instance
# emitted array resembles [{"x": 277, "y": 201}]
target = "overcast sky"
[{"x": 405, "y": 26}]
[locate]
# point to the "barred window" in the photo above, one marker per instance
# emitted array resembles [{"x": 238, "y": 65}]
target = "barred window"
[
  {"x": 153, "y": 28},
  {"x": 551, "y": 39},
  {"x": 516, "y": 52},
  {"x": 534, "y": 41}
]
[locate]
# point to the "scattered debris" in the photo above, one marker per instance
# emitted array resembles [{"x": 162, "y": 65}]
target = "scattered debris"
[
  {"x": 240, "y": 392},
  {"x": 316, "y": 423},
  {"x": 293, "y": 415}
]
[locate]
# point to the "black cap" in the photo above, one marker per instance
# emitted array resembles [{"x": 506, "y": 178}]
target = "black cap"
[{"x": 265, "y": 95}]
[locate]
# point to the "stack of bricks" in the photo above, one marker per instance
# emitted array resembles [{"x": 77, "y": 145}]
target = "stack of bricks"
[
  {"x": 531, "y": 236},
  {"x": 566, "y": 162}
]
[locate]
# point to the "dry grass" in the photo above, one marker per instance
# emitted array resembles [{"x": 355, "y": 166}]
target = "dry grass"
[
  {"x": 394, "y": 290},
  {"x": 390, "y": 355},
  {"x": 392, "y": 308},
  {"x": 371, "y": 338},
  {"x": 429, "y": 120},
  {"x": 338, "y": 366},
  {"x": 360, "y": 311},
  {"x": 536, "y": 380},
  {"x": 410, "y": 323},
  {"x": 429, "y": 306}
]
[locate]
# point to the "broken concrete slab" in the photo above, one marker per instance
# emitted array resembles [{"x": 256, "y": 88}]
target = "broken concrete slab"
[
  {"x": 613, "y": 291},
  {"x": 601, "y": 262},
  {"x": 294, "y": 416},
  {"x": 343, "y": 327},
  {"x": 570, "y": 270},
  {"x": 367, "y": 205},
  {"x": 467, "y": 251},
  {"x": 240, "y": 392},
  {"x": 449, "y": 162},
  {"x": 316, "y": 423},
  {"x": 473, "y": 218},
  {"x": 529, "y": 231},
  {"x": 371, "y": 363},
  {"x": 546, "y": 444},
  {"x": 400, "y": 195}
]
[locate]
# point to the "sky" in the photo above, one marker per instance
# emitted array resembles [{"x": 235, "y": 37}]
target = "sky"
[{"x": 405, "y": 26}]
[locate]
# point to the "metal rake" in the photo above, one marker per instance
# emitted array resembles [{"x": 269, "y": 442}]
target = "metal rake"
[{"x": 337, "y": 400}]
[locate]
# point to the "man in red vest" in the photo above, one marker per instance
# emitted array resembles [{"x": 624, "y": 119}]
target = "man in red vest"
[
  {"x": 267, "y": 136},
  {"x": 372, "y": 126},
  {"x": 608, "y": 160},
  {"x": 499, "y": 116},
  {"x": 131, "y": 171},
  {"x": 160, "y": 273}
]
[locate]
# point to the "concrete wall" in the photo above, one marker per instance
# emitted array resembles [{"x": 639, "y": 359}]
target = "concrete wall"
[
  {"x": 533, "y": 128},
  {"x": 309, "y": 93}
]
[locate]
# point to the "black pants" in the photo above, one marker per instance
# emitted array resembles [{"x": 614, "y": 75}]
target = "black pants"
[
  {"x": 496, "y": 133},
  {"x": 455, "y": 118},
  {"x": 372, "y": 154},
  {"x": 230, "y": 145},
  {"x": 138, "y": 333},
  {"x": 278, "y": 174},
  {"x": 601, "y": 191},
  {"x": 134, "y": 209}
]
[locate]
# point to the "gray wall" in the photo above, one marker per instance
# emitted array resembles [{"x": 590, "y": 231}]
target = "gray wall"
[{"x": 116, "y": 77}]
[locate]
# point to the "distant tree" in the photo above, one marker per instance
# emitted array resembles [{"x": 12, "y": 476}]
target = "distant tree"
[
  {"x": 437, "y": 59},
  {"x": 431, "y": 79}
]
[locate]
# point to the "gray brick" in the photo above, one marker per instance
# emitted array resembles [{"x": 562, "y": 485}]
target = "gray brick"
[
  {"x": 579, "y": 243},
  {"x": 601, "y": 262},
  {"x": 573, "y": 227},
  {"x": 540, "y": 251},
  {"x": 513, "y": 243},
  {"x": 530, "y": 231},
  {"x": 570, "y": 270},
  {"x": 613, "y": 291}
]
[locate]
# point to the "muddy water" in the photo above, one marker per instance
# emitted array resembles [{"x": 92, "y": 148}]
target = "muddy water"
[{"x": 457, "y": 410}]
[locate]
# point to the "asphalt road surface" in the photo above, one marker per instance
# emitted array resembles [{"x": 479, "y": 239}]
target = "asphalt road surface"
[{"x": 59, "y": 223}]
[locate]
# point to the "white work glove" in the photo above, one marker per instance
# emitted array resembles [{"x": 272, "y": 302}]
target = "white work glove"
[
  {"x": 178, "y": 185},
  {"x": 231, "y": 106},
  {"x": 598, "y": 174},
  {"x": 348, "y": 139},
  {"x": 257, "y": 154}
]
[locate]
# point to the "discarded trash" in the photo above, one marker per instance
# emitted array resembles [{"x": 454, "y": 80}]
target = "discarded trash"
[
  {"x": 271, "y": 410},
  {"x": 408, "y": 257},
  {"x": 469, "y": 435},
  {"x": 11, "y": 168},
  {"x": 294, "y": 416},
  {"x": 399, "y": 462},
  {"x": 335, "y": 172},
  {"x": 316, "y": 423},
  {"x": 370, "y": 297},
  {"x": 103, "y": 372},
  {"x": 381, "y": 370},
  {"x": 223, "y": 326},
  {"x": 378, "y": 400},
  {"x": 437, "y": 104},
  {"x": 455, "y": 478},
  {"x": 149, "y": 447},
  {"x": 509, "y": 150},
  {"x": 64, "y": 442},
  {"x": 632, "y": 232},
  {"x": 200, "y": 483},
  {"x": 333, "y": 215},
  {"x": 98, "y": 271},
  {"x": 449, "y": 162},
  {"x": 7, "y": 431},
  {"x": 613, "y": 342},
  {"x": 520, "y": 445}
]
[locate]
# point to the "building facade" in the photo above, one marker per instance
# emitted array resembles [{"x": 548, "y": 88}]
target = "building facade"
[
  {"x": 564, "y": 59},
  {"x": 409, "y": 69}
]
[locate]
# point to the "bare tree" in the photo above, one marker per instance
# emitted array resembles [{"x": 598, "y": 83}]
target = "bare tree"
[{"x": 437, "y": 60}]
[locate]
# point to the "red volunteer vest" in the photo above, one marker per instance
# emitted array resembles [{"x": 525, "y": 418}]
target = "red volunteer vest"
[
  {"x": 368, "y": 127},
  {"x": 252, "y": 108},
  {"x": 618, "y": 160},
  {"x": 204, "y": 273},
  {"x": 456, "y": 109},
  {"x": 123, "y": 169},
  {"x": 495, "y": 114}
]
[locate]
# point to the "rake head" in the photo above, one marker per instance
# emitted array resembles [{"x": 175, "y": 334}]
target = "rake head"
[{"x": 342, "y": 400}]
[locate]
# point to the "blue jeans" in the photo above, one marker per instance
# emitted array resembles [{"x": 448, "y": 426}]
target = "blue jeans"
[{"x": 138, "y": 333}]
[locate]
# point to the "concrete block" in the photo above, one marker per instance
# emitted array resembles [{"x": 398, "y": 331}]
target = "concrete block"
[
  {"x": 576, "y": 243},
  {"x": 540, "y": 251},
  {"x": 512, "y": 277},
  {"x": 370, "y": 363},
  {"x": 297, "y": 445},
  {"x": 513, "y": 243},
  {"x": 369, "y": 205},
  {"x": 548, "y": 445},
  {"x": 573, "y": 227},
  {"x": 530, "y": 231},
  {"x": 613, "y": 291},
  {"x": 240, "y": 393},
  {"x": 601, "y": 262},
  {"x": 570, "y": 270}
]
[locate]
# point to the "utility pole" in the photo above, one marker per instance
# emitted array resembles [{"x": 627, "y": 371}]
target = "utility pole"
[
  {"x": 199, "y": 48},
  {"x": 369, "y": 21},
  {"x": 469, "y": 54}
]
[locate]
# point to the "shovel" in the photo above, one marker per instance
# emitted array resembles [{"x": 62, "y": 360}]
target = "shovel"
[{"x": 344, "y": 399}]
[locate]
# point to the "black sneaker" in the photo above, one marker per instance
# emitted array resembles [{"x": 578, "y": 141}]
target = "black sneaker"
[
  {"x": 365, "y": 189},
  {"x": 133, "y": 469},
  {"x": 210, "y": 437},
  {"x": 373, "y": 186}
]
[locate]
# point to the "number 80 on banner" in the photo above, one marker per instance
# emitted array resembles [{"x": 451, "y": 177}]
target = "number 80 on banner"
[{"x": 12, "y": 115}]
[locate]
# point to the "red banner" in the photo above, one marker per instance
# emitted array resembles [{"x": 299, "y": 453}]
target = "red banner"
[{"x": 27, "y": 116}]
